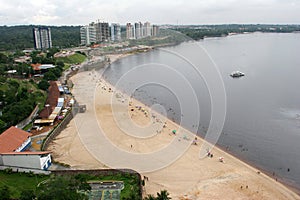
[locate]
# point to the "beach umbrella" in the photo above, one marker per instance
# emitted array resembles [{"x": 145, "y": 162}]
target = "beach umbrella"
[{"x": 174, "y": 131}]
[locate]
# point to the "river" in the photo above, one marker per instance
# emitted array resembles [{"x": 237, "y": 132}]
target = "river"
[{"x": 262, "y": 124}]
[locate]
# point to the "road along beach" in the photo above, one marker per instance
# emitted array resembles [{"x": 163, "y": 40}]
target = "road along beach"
[{"x": 83, "y": 145}]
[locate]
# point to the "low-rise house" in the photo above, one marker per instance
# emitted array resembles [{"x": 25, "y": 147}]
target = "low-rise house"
[{"x": 14, "y": 144}]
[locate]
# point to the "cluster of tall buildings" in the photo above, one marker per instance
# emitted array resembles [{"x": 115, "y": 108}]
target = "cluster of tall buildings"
[
  {"x": 42, "y": 38},
  {"x": 97, "y": 32},
  {"x": 139, "y": 30}
]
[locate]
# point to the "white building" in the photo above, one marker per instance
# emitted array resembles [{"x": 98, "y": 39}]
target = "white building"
[
  {"x": 32, "y": 160},
  {"x": 115, "y": 32},
  {"x": 88, "y": 34},
  {"x": 155, "y": 30},
  {"x": 139, "y": 30},
  {"x": 139, "y": 33},
  {"x": 130, "y": 33},
  {"x": 42, "y": 38},
  {"x": 14, "y": 143},
  {"x": 147, "y": 29}
]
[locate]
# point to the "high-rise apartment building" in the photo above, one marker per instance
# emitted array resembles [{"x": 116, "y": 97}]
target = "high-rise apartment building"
[
  {"x": 147, "y": 29},
  {"x": 88, "y": 34},
  {"x": 115, "y": 32},
  {"x": 130, "y": 33},
  {"x": 139, "y": 30},
  {"x": 155, "y": 30},
  {"x": 102, "y": 31},
  {"x": 42, "y": 38}
]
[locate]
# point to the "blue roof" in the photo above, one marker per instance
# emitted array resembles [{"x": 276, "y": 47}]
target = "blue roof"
[{"x": 60, "y": 104}]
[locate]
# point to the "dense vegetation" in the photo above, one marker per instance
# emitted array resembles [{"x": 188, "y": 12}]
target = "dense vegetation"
[
  {"x": 21, "y": 37},
  {"x": 18, "y": 99},
  {"x": 22, "y": 185},
  {"x": 14, "y": 184},
  {"x": 200, "y": 32},
  {"x": 19, "y": 93},
  {"x": 165, "y": 37}
]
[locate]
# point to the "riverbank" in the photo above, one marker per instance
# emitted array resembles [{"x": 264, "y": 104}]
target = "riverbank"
[{"x": 187, "y": 178}]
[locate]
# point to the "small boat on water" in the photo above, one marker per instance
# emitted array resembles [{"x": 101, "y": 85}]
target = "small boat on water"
[{"x": 236, "y": 74}]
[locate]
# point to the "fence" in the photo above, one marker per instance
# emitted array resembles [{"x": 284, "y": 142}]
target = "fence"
[{"x": 56, "y": 130}]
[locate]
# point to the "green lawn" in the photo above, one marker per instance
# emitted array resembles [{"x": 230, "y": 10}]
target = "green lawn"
[
  {"x": 20, "y": 181},
  {"x": 73, "y": 59}
]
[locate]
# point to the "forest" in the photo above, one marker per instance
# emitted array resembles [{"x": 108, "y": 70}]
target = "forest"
[
  {"x": 14, "y": 38},
  {"x": 198, "y": 32}
]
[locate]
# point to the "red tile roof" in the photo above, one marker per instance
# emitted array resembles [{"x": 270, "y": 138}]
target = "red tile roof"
[
  {"x": 53, "y": 95},
  {"x": 12, "y": 138},
  {"x": 36, "y": 67}
]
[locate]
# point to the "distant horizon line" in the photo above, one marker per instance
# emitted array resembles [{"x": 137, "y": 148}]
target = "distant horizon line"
[{"x": 166, "y": 24}]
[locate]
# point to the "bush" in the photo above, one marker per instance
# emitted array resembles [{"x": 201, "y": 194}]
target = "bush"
[{"x": 43, "y": 85}]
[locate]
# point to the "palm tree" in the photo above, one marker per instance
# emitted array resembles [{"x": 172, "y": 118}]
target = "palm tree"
[
  {"x": 149, "y": 197},
  {"x": 163, "y": 195}
]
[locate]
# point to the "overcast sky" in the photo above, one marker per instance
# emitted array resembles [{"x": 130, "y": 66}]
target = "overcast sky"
[{"x": 81, "y": 12}]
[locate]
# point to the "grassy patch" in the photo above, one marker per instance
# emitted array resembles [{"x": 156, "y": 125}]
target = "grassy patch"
[
  {"x": 28, "y": 181},
  {"x": 73, "y": 59},
  {"x": 20, "y": 181}
]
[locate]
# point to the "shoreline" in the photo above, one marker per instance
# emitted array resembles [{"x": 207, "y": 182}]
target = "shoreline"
[
  {"x": 217, "y": 148},
  {"x": 276, "y": 178}
]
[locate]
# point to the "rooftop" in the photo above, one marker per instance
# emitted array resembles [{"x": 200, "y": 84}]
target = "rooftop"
[{"x": 12, "y": 138}]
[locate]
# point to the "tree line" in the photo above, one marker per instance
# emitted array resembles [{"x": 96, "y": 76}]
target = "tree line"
[
  {"x": 200, "y": 32},
  {"x": 13, "y": 38}
]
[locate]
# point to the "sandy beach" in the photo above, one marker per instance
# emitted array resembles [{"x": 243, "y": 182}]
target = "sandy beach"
[{"x": 82, "y": 147}]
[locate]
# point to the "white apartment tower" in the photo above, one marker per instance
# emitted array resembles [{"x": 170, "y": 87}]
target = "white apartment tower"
[
  {"x": 88, "y": 34},
  {"x": 130, "y": 33},
  {"x": 147, "y": 29},
  {"x": 42, "y": 38},
  {"x": 155, "y": 30},
  {"x": 115, "y": 32}
]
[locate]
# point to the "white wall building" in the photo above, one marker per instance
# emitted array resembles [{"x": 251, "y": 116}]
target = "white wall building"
[
  {"x": 14, "y": 143},
  {"x": 32, "y": 160}
]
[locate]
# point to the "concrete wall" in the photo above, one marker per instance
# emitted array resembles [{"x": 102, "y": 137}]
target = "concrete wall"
[
  {"x": 25, "y": 161},
  {"x": 20, "y": 169}
]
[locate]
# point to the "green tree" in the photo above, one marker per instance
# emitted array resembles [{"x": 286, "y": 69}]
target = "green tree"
[
  {"x": 4, "y": 193},
  {"x": 43, "y": 85},
  {"x": 50, "y": 76},
  {"x": 56, "y": 71},
  {"x": 3, "y": 58},
  {"x": 150, "y": 197},
  {"x": 27, "y": 195},
  {"x": 60, "y": 64},
  {"x": 163, "y": 195},
  {"x": 60, "y": 188}
]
